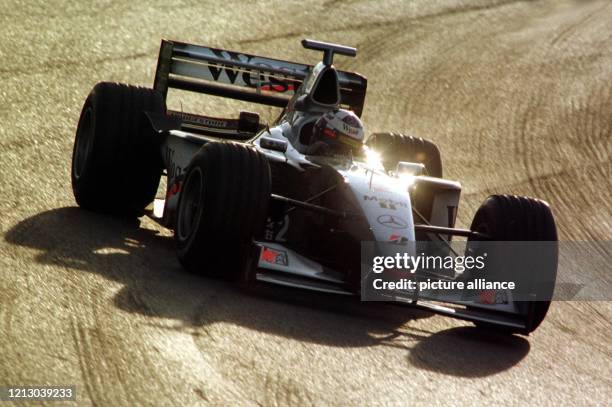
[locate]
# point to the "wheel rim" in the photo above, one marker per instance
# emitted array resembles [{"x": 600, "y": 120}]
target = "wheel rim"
[
  {"x": 83, "y": 143},
  {"x": 190, "y": 207}
]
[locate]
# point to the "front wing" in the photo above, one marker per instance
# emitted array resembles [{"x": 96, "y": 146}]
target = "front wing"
[{"x": 282, "y": 266}]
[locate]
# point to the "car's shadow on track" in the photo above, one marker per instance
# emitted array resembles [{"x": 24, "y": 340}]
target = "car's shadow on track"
[{"x": 155, "y": 285}]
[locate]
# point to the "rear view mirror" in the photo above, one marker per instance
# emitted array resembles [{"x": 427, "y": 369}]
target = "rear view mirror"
[
  {"x": 407, "y": 168},
  {"x": 273, "y": 144}
]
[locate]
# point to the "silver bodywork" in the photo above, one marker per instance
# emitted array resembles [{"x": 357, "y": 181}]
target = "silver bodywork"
[{"x": 383, "y": 197}]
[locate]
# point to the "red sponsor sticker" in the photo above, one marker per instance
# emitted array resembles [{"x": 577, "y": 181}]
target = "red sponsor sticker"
[
  {"x": 278, "y": 88},
  {"x": 487, "y": 297},
  {"x": 395, "y": 238},
  {"x": 329, "y": 133},
  {"x": 174, "y": 189},
  {"x": 272, "y": 256}
]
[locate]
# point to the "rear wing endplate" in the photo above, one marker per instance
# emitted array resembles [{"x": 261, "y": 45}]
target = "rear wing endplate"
[{"x": 242, "y": 76}]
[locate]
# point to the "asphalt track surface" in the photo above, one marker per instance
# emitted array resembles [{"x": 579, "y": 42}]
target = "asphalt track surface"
[{"x": 517, "y": 94}]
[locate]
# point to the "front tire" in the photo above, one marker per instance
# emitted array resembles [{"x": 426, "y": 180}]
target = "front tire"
[
  {"x": 116, "y": 162},
  {"x": 394, "y": 148},
  {"x": 514, "y": 218},
  {"x": 223, "y": 205}
]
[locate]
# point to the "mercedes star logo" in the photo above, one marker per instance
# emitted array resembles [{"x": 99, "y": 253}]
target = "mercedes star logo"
[{"x": 393, "y": 222}]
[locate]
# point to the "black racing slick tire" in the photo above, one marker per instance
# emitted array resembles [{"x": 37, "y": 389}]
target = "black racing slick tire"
[
  {"x": 514, "y": 218},
  {"x": 394, "y": 147},
  {"x": 223, "y": 205},
  {"x": 116, "y": 161}
]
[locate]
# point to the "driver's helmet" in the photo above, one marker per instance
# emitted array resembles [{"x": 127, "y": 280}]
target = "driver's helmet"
[{"x": 337, "y": 132}]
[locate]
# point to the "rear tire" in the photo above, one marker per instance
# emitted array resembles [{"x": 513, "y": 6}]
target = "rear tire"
[
  {"x": 394, "y": 148},
  {"x": 222, "y": 206},
  {"x": 514, "y": 218},
  {"x": 116, "y": 162}
]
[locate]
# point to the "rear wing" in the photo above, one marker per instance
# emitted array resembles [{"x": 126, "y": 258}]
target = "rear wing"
[{"x": 242, "y": 76}]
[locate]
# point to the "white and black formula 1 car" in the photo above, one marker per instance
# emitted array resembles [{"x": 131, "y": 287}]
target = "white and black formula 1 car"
[{"x": 288, "y": 203}]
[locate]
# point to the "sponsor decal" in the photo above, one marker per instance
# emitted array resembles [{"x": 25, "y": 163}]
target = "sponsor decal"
[
  {"x": 201, "y": 120},
  {"x": 174, "y": 189},
  {"x": 492, "y": 297},
  {"x": 349, "y": 129},
  {"x": 392, "y": 221},
  {"x": 351, "y": 121},
  {"x": 273, "y": 256},
  {"x": 329, "y": 133},
  {"x": 395, "y": 238},
  {"x": 277, "y": 88},
  {"x": 385, "y": 203},
  {"x": 275, "y": 231},
  {"x": 252, "y": 78},
  {"x": 174, "y": 171}
]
